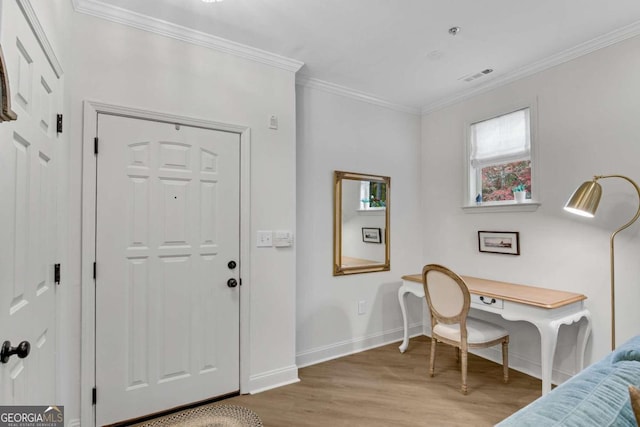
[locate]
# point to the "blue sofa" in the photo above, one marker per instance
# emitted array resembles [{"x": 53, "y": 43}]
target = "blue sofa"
[{"x": 597, "y": 396}]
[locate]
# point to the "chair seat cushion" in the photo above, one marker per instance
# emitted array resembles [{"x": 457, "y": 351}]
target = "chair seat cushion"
[{"x": 478, "y": 331}]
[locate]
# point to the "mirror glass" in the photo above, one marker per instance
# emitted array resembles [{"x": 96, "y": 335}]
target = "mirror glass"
[
  {"x": 360, "y": 223},
  {"x": 6, "y": 113}
]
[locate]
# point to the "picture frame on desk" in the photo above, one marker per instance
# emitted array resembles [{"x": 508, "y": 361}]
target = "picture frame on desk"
[{"x": 499, "y": 242}]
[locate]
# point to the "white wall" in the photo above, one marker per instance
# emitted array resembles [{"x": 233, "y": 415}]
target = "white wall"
[
  {"x": 120, "y": 65},
  {"x": 339, "y": 133},
  {"x": 588, "y": 124}
]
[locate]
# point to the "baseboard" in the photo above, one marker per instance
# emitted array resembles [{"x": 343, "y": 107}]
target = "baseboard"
[
  {"x": 273, "y": 379},
  {"x": 73, "y": 423},
  {"x": 521, "y": 364},
  {"x": 356, "y": 345},
  {"x": 517, "y": 362},
  {"x": 345, "y": 348}
]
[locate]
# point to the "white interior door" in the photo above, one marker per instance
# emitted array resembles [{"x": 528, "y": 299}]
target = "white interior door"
[
  {"x": 167, "y": 227},
  {"x": 28, "y": 215}
]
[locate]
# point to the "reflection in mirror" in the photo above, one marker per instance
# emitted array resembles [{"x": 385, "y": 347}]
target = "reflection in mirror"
[
  {"x": 360, "y": 223},
  {"x": 6, "y": 113}
]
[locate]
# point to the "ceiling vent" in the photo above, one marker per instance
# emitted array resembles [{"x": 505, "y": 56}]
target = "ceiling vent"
[{"x": 472, "y": 77}]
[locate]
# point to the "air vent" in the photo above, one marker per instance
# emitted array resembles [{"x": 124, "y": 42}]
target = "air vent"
[{"x": 472, "y": 77}]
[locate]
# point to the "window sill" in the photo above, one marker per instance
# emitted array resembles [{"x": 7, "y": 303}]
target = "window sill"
[
  {"x": 372, "y": 211},
  {"x": 499, "y": 207}
]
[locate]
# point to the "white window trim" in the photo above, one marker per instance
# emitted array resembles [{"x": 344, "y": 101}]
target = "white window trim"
[{"x": 468, "y": 203}]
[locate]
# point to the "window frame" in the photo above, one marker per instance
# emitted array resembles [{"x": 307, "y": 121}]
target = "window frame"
[
  {"x": 365, "y": 190},
  {"x": 473, "y": 175}
]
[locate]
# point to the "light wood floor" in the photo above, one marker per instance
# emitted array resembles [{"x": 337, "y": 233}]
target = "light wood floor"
[{"x": 382, "y": 387}]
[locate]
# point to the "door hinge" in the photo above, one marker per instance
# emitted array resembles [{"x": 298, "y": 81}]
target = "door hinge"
[
  {"x": 59, "y": 123},
  {"x": 94, "y": 270},
  {"x": 95, "y": 145},
  {"x": 94, "y": 396},
  {"x": 56, "y": 274}
]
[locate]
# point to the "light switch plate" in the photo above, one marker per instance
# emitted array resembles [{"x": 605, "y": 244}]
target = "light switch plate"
[
  {"x": 273, "y": 121},
  {"x": 264, "y": 239},
  {"x": 282, "y": 239}
]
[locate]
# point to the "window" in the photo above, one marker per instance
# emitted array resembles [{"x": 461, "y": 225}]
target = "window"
[
  {"x": 500, "y": 158},
  {"x": 373, "y": 195}
]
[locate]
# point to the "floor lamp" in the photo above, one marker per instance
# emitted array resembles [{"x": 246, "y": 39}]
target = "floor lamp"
[{"x": 584, "y": 202}]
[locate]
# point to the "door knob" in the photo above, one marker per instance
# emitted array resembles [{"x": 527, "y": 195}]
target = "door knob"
[
  {"x": 22, "y": 350},
  {"x": 232, "y": 283},
  {"x": 232, "y": 265}
]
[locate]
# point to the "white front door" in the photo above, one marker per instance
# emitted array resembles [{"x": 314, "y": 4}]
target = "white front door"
[
  {"x": 28, "y": 217},
  {"x": 167, "y": 238}
]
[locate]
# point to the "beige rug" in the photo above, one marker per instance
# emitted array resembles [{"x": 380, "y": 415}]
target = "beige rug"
[{"x": 208, "y": 416}]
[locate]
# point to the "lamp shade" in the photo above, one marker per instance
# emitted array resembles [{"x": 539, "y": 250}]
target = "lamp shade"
[{"x": 585, "y": 199}]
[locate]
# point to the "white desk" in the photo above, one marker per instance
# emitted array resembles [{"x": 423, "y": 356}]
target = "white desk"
[{"x": 547, "y": 309}]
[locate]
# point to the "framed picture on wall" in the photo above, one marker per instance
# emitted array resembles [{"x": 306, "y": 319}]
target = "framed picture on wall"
[
  {"x": 371, "y": 235},
  {"x": 499, "y": 242}
]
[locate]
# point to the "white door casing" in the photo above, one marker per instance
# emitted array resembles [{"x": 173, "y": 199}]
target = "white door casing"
[
  {"x": 91, "y": 109},
  {"x": 167, "y": 225},
  {"x": 28, "y": 218}
]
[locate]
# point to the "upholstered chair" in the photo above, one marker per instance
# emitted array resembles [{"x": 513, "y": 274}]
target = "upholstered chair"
[{"x": 449, "y": 302}]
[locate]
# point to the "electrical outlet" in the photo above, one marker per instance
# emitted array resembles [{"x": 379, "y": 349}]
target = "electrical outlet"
[{"x": 362, "y": 307}]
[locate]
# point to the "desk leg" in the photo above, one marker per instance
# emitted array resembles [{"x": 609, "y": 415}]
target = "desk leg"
[
  {"x": 548, "y": 340},
  {"x": 402, "y": 297},
  {"x": 583, "y": 336}
]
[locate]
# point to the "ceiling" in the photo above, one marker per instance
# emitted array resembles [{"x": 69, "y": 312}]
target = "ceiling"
[{"x": 400, "y": 51}]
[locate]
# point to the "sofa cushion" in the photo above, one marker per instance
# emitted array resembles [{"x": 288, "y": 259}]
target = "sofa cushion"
[
  {"x": 598, "y": 396},
  {"x": 630, "y": 350}
]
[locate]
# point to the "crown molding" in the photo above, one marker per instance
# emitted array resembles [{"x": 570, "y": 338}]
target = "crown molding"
[
  {"x": 142, "y": 22},
  {"x": 41, "y": 36},
  {"x": 567, "y": 55},
  {"x": 306, "y": 81}
]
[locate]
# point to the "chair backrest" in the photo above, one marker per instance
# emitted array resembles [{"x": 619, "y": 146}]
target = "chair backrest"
[{"x": 447, "y": 296}]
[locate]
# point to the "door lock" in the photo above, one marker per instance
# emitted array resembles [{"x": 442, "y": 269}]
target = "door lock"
[
  {"x": 232, "y": 283},
  {"x": 22, "y": 350},
  {"x": 232, "y": 265}
]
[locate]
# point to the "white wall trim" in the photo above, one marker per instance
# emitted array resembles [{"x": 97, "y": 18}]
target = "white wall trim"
[
  {"x": 38, "y": 31},
  {"x": 322, "y": 85},
  {"x": 273, "y": 379},
  {"x": 582, "y": 49},
  {"x": 87, "y": 257},
  {"x": 356, "y": 345},
  {"x": 73, "y": 423},
  {"x": 133, "y": 19},
  {"x": 520, "y": 363},
  {"x": 348, "y": 347}
]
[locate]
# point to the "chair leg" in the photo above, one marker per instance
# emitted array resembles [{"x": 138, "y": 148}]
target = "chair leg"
[
  {"x": 464, "y": 371},
  {"x": 505, "y": 359},
  {"x": 432, "y": 357}
]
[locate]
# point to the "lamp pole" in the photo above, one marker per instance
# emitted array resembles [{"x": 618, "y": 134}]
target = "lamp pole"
[{"x": 611, "y": 253}]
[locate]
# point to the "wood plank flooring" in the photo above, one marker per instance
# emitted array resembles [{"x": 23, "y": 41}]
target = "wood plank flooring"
[{"x": 382, "y": 387}]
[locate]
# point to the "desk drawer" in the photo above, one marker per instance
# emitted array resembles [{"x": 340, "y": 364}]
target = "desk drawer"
[{"x": 480, "y": 301}]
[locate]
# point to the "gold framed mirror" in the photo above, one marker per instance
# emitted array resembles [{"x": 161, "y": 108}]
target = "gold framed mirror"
[
  {"x": 6, "y": 114},
  {"x": 361, "y": 206}
]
